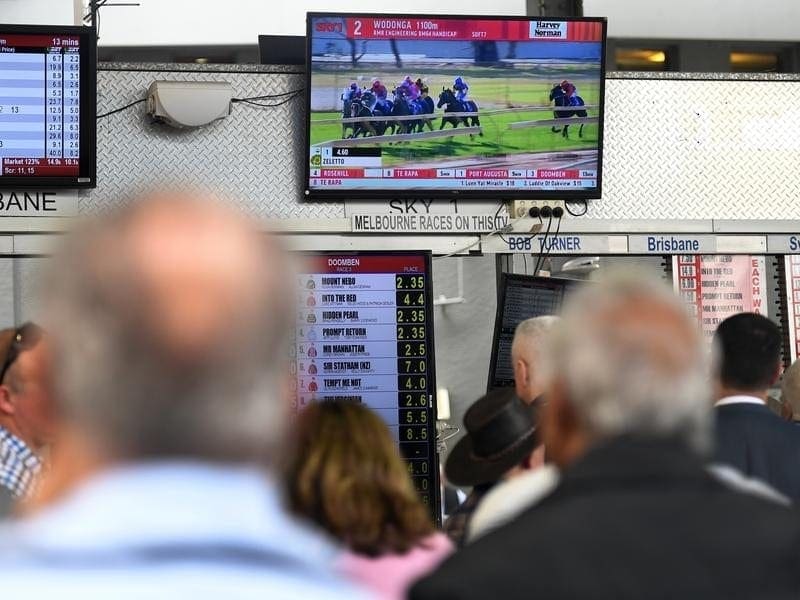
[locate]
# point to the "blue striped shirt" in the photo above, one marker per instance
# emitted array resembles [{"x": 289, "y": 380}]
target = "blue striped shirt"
[{"x": 18, "y": 464}]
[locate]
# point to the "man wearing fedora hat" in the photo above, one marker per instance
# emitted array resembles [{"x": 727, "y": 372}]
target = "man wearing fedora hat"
[
  {"x": 526, "y": 484},
  {"x": 500, "y": 440},
  {"x": 636, "y": 513}
]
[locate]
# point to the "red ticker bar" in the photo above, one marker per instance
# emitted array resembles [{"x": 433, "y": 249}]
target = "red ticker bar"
[
  {"x": 386, "y": 28},
  {"x": 411, "y": 173},
  {"x": 342, "y": 173},
  {"x": 344, "y": 263},
  {"x": 487, "y": 174},
  {"x": 47, "y": 167},
  {"x": 39, "y": 41}
]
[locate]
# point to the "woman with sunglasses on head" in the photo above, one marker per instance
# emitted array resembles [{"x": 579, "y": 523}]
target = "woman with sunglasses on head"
[{"x": 346, "y": 475}]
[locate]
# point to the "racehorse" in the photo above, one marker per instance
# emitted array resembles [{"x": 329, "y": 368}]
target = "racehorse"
[
  {"x": 427, "y": 107},
  {"x": 347, "y": 111},
  {"x": 362, "y": 109},
  {"x": 560, "y": 98},
  {"x": 403, "y": 107},
  {"x": 448, "y": 99}
]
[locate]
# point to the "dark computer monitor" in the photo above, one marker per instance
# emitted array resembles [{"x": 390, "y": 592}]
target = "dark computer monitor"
[
  {"x": 521, "y": 297},
  {"x": 282, "y": 49}
]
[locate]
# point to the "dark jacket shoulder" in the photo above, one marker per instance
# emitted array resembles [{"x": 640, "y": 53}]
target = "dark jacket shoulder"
[
  {"x": 632, "y": 521},
  {"x": 760, "y": 444}
]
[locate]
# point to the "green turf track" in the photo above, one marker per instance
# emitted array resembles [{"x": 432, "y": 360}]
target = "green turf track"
[{"x": 498, "y": 140}]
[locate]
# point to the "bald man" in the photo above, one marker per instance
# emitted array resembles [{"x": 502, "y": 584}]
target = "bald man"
[{"x": 171, "y": 320}]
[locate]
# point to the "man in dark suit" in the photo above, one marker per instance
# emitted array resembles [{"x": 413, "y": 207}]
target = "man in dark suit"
[
  {"x": 749, "y": 435},
  {"x": 636, "y": 514}
]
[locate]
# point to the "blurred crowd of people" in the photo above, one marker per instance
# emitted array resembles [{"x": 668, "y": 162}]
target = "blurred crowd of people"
[{"x": 147, "y": 449}]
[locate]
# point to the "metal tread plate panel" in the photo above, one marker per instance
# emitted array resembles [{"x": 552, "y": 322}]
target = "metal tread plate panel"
[
  {"x": 680, "y": 147},
  {"x": 253, "y": 155},
  {"x": 700, "y": 149}
]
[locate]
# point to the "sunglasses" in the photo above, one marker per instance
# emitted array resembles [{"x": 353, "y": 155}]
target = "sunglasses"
[{"x": 25, "y": 338}]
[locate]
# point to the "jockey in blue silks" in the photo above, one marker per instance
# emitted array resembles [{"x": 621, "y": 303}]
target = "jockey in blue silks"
[
  {"x": 461, "y": 88},
  {"x": 351, "y": 93}
]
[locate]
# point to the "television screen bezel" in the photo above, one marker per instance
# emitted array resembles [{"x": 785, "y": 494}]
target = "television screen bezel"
[
  {"x": 503, "y": 281},
  {"x": 87, "y": 176},
  {"x": 497, "y": 194}
]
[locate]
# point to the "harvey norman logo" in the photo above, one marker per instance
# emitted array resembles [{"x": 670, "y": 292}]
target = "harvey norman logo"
[{"x": 550, "y": 30}]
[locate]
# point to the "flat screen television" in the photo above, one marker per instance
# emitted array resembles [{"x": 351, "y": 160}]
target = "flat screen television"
[
  {"x": 454, "y": 106},
  {"x": 521, "y": 297},
  {"x": 48, "y": 106},
  {"x": 365, "y": 334}
]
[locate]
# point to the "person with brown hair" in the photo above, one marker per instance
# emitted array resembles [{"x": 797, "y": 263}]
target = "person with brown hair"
[{"x": 347, "y": 476}]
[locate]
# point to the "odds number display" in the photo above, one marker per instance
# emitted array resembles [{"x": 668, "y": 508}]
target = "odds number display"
[{"x": 364, "y": 334}]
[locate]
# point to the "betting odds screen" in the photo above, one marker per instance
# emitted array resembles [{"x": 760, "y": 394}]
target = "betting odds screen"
[
  {"x": 40, "y": 107},
  {"x": 465, "y": 105},
  {"x": 365, "y": 334},
  {"x": 521, "y": 297}
]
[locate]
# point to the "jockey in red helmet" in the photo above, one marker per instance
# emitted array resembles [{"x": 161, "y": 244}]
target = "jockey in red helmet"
[
  {"x": 380, "y": 91},
  {"x": 569, "y": 90}
]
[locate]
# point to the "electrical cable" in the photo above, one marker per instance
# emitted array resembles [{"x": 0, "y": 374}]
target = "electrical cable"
[
  {"x": 569, "y": 210},
  {"x": 478, "y": 241},
  {"x": 121, "y": 108},
  {"x": 550, "y": 247},
  {"x": 262, "y": 105},
  {"x": 497, "y": 214},
  {"x": 287, "y": 97},
  {"x": 544, "y": 244},
  {"x": 268, "y": 96}
]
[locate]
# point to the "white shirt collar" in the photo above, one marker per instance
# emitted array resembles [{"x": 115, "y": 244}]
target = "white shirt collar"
[{"x": 740, "y": 400}]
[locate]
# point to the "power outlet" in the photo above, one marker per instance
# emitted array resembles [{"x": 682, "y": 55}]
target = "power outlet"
[{"x": 520, "y": 208}]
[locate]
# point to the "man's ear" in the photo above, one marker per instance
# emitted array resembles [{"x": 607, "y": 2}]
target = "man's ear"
[
  {"x": 521, "y": 371},
  {"x": 561, "y": 429},
  {"x": 777, "y": 375},
  {"x": 6, "y": 405}
]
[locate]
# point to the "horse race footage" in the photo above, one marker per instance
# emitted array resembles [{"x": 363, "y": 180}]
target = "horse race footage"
[{"x": 437, "y": 107}]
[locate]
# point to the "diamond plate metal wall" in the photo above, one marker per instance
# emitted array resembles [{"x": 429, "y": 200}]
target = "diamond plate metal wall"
[
  {"x": 252, "y": 156},
  {"x": 679, "y": 147},
  {"x": 701, "y": 149}
]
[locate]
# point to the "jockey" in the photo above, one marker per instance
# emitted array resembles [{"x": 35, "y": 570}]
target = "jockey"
[
  {"x": 570, "y": 91},
  {"x": 411, "y": 89},
  {"x": 380, "y": 91},
  {"x": 351, "y": 93},
  {"x": 461, "y": 88},
  {"x": 369, "y": 100}
]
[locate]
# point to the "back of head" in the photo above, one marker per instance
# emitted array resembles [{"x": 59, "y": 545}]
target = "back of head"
[
  {"x": 630, "y": 361},
  {"x": 347, "y": 476},
  {"x": 790, "y": 388},
  {"x": 749, "y": 347},
  {"x": 530, "y": 337},
  {"x": 527, "y": 349},
  {"x": 170, "y": 319}
]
